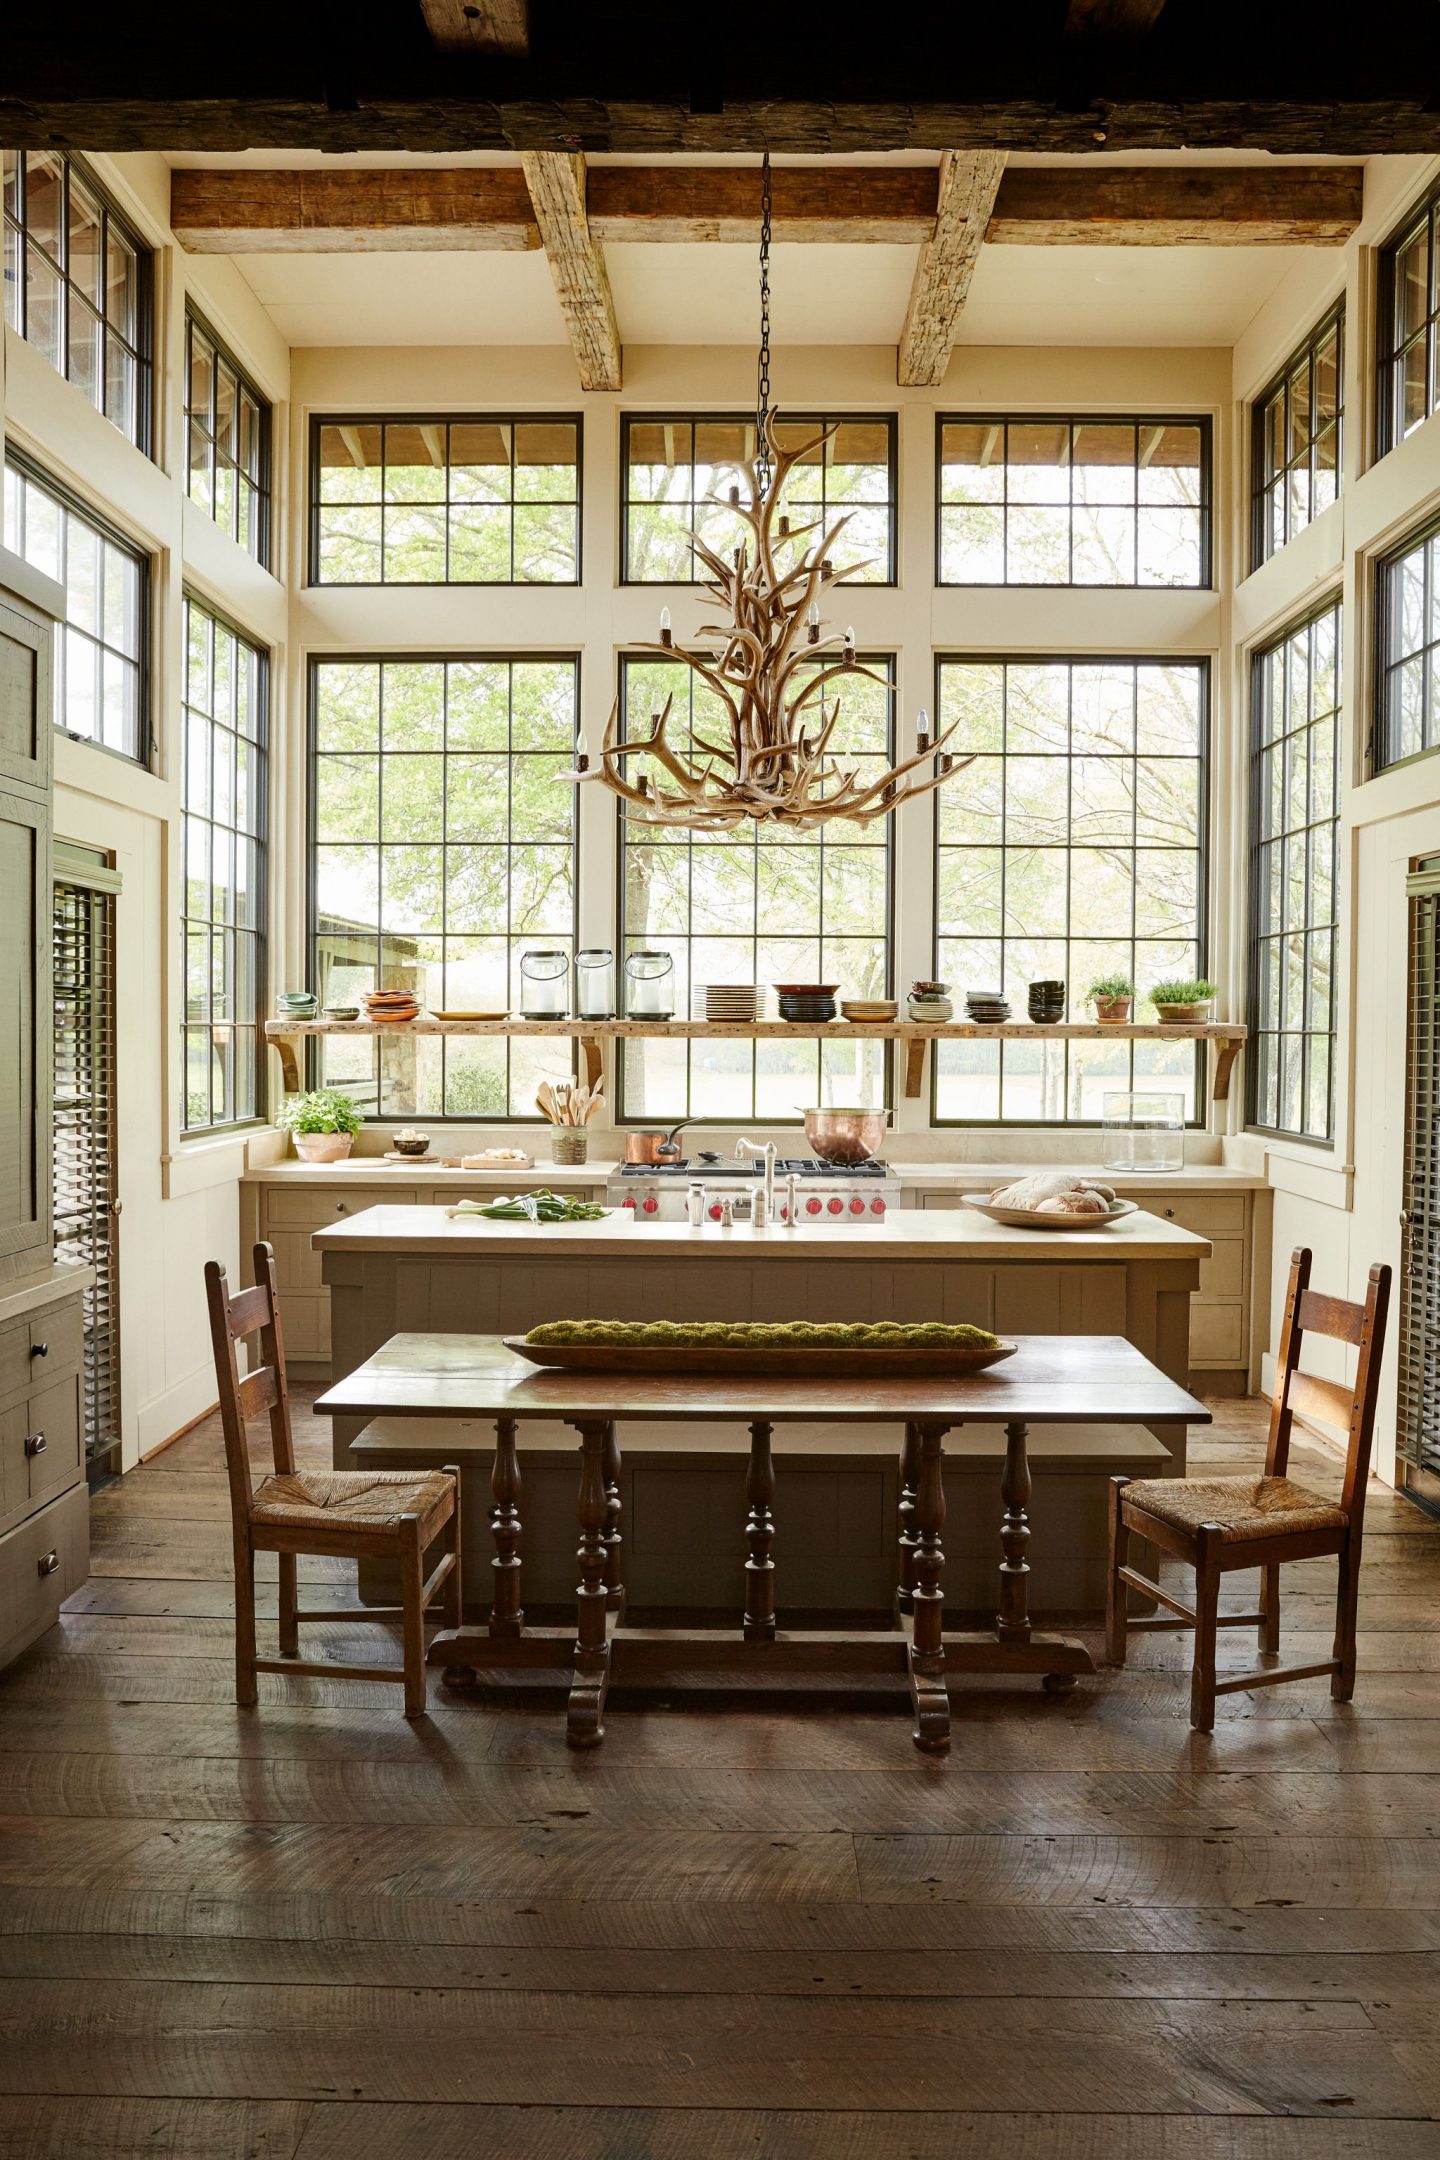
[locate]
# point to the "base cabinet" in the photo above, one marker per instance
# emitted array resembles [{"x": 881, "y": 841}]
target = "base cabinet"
[{"x": 44, "y": 1502}]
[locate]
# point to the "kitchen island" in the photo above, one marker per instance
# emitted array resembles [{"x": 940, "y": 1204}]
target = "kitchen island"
[{"x": 393, "y": 1270}]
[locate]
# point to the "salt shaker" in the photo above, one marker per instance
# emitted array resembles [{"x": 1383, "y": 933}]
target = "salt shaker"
[
  {"x": 759, "y": 1211},
  {"x": 727, "y": 1212},
  {"x": 695, "y": 1206}
]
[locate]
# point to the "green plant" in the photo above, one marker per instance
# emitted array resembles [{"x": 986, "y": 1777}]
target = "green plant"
[
  {"x": 1182, "y": 990},
  {"x": 323, "y": 1110},
  {"x": 1110, "y": 986},
  {"x": 771, "y": 1334}
]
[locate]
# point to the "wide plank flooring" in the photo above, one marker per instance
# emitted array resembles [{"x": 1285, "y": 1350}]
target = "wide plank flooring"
[{"x": 310, "y": 1931}]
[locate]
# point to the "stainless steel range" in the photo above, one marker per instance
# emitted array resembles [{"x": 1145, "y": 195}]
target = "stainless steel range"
[{"x": 855, "y": 1193}]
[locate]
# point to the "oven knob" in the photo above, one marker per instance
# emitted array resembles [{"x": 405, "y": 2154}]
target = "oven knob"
[
  {"x": 629, "y": 1200},
  {"x": 812, "y": 1206},
  {"x": 837, "y": 1207},
  {"x": 650, "y": 1203},
  {"x": 857, "y": 1206},
  {"x": 714, "y": 1211},
  {"x": 877, "y": 1207}
]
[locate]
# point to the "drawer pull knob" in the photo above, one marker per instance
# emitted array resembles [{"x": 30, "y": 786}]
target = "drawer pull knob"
[
  {"x": 49, "y": 1563},
  {"x": 39, "y": 1349},
  {"x": 35, "y": 1443}
]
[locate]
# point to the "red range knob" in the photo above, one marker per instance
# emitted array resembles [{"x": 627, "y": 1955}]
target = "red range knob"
[
  {"x": 714, "y": 1211},
  {"x": 629, "y": 1200},
  {"x": 812, "y": 1207},
  {"x": 650, "y": 1203},
  {"x": 857, "y": 1206},
  {"x": 837, "y": 1207},
  {"x": 877, "y": 1207}
]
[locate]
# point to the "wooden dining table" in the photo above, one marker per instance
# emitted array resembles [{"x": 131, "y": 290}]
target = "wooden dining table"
[{"x": 1050, "y": 1379}]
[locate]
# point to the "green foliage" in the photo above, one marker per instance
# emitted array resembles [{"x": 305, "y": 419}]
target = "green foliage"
[
  {"x": 323, "y": 1110},
  {"x": 1182, "y": 990},
  {"x": 536, "y": 1207},
  {"x": 1110, "y": 986},
  {"x": 768, "y": 1334}
]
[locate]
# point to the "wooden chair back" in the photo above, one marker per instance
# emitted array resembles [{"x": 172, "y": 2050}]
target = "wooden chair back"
[
  {"x": 1351, "y": 1409},
  {"x": 232, "y": 1321}
]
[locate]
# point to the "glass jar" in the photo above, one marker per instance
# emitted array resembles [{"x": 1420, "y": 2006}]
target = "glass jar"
[
  {"x": 595, "y": 983},
  {"x": 544, "y": 984},
  {"x": 1143, "y": 1132},
  {"x": 650, "y": 985}
]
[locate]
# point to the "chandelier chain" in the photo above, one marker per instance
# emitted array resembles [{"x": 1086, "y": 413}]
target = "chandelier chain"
[{"x": 762, "y": 386}]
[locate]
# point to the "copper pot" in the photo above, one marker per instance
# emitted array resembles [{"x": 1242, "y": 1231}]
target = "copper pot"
[
  {"x": 650, "y": 1148},
  {"x": 845, "y": 1136}
]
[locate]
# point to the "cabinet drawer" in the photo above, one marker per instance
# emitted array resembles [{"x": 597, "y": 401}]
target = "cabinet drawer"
[
  {"x": 309, "y": 1209},
  {"x": 41, "y": 1563},
  {"x": 1199, "y": 1212},
  {"x": 40, "y": 1349},
  {"x": 1217, "y": 1334},
  {"x": 40, "y": 1447},
  {"x": 1223, "y": 1274}
]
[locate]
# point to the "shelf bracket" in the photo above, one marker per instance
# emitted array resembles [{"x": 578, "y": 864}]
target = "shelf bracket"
[
  {"x": 915, "y": 1050},
  {"x": 1226, "y": 1053},
  {"x": 590, "y": 1051},
  {"x": 288, "y": 1047}
]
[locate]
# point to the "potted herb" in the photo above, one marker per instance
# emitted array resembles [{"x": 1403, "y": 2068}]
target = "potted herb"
[
  {"x": 930, "y": 1003},
  {"x": 1111, "y": 995},
  {"x": 1183, "y": 998},
  {"x": 323, "y": 1123}
]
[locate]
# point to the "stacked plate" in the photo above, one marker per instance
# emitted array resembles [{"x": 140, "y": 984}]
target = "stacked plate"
[
  {"x": 390, "y": 1005},
  {"x": 986, "y": 1007},
  {"x": 806, "y": 1001},
  {"x": 731, "y": 1001},
  {"x": 860, "y": 1009}
]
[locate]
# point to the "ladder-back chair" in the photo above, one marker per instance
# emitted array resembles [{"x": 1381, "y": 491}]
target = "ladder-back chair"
[
  {"x": 1220, "y": 1524},
  {"x": 355, "y": 1515}
]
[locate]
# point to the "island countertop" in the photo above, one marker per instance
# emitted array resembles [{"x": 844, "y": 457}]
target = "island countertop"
[{"x": 904, "y": 1234}]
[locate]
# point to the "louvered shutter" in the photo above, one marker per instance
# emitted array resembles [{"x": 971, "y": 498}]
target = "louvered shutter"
[
  {"x": 85, "y": 1226},
  {"x": 1419, "y": 1402}
]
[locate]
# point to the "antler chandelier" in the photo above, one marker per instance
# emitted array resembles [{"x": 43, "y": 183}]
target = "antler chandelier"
[{"x": 770, "y": 668}]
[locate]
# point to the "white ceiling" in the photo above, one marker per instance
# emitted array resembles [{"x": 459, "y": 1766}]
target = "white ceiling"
[{"x": 699, "y": 294}]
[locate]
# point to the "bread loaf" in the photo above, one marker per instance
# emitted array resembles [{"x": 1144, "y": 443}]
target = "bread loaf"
[{"x": 1032, "y": 1192}]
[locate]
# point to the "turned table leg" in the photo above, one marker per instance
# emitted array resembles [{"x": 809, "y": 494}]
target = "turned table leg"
[
  {"x": 1012, "y": 1622},
  {"x": 909, "y": 1486},
  {"x": 585, "y": 1721},
  {"x": 614, "y": 1569},
  {"x": 926, "y": 1649},
  {"x": 760, "y": 1533},
  {"x": 506, "y": 1616}
]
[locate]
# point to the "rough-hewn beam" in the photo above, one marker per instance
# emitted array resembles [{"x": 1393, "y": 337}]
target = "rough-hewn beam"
[
  {"x": 969, "y": 183},
  {"x": 499, "y": 27},
  {"x": 249, "y": 211},
  {"x": 556, "y": 180},
  {"x": 243, "y": 212},
  {"x": 1111, "y": 18}
]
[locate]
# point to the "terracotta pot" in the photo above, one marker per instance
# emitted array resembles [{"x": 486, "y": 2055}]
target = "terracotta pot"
[
  {"x": 323, "y": 1146},
  {"x": 1112, "y": 1008}
]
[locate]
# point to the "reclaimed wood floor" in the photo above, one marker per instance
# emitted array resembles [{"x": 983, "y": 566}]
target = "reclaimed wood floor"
[{"x": 311, "y": 1931}]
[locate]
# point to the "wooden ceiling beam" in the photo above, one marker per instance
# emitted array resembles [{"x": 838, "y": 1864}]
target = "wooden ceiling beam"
[
  {"x": 240, "y": 212},
  {"x": 969, "y": 184},
  {"x": 500, "y": 28},
  {"x": 556, "y": 180},
  {"x": 1112, "y": 18}
]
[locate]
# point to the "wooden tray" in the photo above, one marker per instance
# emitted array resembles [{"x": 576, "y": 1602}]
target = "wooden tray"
[
  {"x": 761, "y": 1361},
  {"x": 1027, "y": 1219}
]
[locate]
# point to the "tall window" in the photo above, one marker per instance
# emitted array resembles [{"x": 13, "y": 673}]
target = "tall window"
[
  {"x": 762, "y": 906},
  {"x": 77, "y": 284},
  {"x": 102, "y": 658},
  {"x": 227, "y": 442},
  {"x": 1295, "y": 727},
  {"x": 1072, "y": 848},
  {"x": 492, "y": 500},
  {"x": 1407, "y": 721},
  {"x": 680, "y": 468},
  {"x": 1073, "y": 501},
  {"x": 223, "y": 802},
  {"x": 1295, "y": 453},
  {"x": 1406, "y": 354},
  {"x": 444, "y": 847}
]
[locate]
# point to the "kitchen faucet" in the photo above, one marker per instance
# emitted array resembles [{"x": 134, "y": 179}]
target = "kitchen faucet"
[{"x": 768, "y": 1150}]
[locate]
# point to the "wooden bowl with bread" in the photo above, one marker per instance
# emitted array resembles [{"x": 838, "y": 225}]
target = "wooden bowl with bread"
[{"x": 1053, "y": 1200}]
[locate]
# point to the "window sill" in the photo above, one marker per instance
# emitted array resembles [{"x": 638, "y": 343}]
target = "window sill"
[{"x": 204, "y": 1162}]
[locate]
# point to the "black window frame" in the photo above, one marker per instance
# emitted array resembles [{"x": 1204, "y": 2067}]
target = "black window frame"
[
  {"x": 889, "y": 419},
  {"x": 265, "y": 484},
  {"x": 1255, "y": 939},
  {"x": 75, "y": 505},
  {"x": 1137, "y": 1084},
  {"x": 575, "y": 658},
  {"x": 1423, "y": 215},
  {"x": 447, "y": 419},
  {"x": 264, "y": 677},
  {"x": 1262, "y": 480},
  {"x": 142, "y": 351},
  {"x": 870, "y": 657},
  {"x": 1202, "y": 421},
  {"x": 1377, "y": 759}
]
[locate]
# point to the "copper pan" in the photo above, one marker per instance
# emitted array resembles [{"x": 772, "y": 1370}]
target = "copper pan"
[{"x": 845, "y": 1135}]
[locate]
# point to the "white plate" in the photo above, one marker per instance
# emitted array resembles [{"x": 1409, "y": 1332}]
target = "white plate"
[{"x": 1028, "y": 1219}]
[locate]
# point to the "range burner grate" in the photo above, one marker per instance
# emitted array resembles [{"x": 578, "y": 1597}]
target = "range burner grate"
[{"x": 807, "y": 1166}]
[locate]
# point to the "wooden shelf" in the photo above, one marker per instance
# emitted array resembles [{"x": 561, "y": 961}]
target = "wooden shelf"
[{"x": 1227, "y": 1036}]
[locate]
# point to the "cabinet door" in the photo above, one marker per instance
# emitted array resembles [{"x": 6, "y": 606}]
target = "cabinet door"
[
  {"x": 25, "y": 646},
  {"x": 25, "y": 1024}
]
